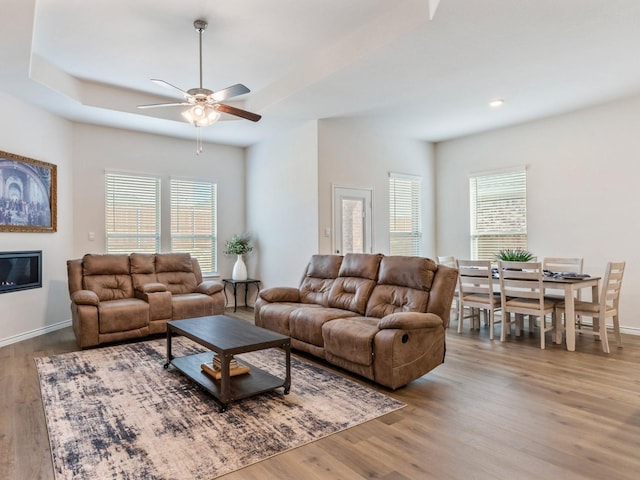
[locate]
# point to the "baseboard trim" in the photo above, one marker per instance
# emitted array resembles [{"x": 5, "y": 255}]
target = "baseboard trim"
[
  {"x": 630, "y": 330},
  {"x": 34, "y": 333}
]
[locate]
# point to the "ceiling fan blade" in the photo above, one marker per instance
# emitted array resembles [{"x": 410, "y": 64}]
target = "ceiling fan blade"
[
  {"x": 168, "y": 85},
  {"x": 156, "y": 105},
  {"x": 254, "y": 117},
  {"x": 232, "y": 91}
]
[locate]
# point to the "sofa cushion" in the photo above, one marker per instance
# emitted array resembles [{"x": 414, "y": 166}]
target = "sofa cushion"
[
  {"x": 105, "y": 264},
  {"x": 388, "y": 299},
  {"x": 175, "y": 270},
  {"x": 324, "y": 266},
  {"x": 305, "y": 323},
  {"x": 109, "y": 287},
  {"x": 275, "y": 316},
  {"x": 315, "y": 290},
  {"x": 143, "y": 269},
  {"x": 412, "y": 272},
  {"x": 108, "y": 276},
  {"x": 350, "y": 293},
  {"x": 361, "y": 265},
  {"x": 122, "y": 315},
  {"x": 173, "y": 262},
  {"x": 191, "y": 305},
  {"x": 351, "y": 339}
]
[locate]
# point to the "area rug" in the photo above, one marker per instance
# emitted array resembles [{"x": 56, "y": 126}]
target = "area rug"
[{"x": 115, "y": 413}]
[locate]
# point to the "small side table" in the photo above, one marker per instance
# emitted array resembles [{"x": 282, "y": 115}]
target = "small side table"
[{"x": 234, "y": 284}]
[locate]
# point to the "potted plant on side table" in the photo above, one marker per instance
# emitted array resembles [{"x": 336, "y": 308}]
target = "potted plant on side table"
[{"x": 239, "y": 245}]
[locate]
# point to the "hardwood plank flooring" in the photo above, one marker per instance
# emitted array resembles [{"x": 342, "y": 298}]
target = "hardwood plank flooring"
[{"x": 492, "y": 411}]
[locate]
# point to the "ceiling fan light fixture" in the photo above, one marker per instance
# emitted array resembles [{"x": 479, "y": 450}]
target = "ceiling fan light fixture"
[{"x": 201, "y": 116}]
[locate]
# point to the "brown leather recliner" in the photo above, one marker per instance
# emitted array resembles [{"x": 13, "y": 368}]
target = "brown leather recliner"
[
  {"x": 118, "y": 297},
  {"x": 382, "y": 317}
]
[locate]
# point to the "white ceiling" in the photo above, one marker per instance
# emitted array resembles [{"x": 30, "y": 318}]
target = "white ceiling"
[{"x": 91, "y": 61}]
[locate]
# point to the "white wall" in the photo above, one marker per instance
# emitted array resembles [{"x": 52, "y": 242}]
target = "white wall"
[
  {"x": 96, "y": 149},
  {"x": 34, "y": 133},
  {"x": 282, "y": 205},
  {"x": 357, "y": 153},
  {"x": 582, "y": 189}
]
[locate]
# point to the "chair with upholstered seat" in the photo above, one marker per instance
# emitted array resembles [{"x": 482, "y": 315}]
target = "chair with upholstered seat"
[
  {"x": 475, "y": 287},
  {"x": 602, "y": 308},
  {"x": 522, "y": 293}
]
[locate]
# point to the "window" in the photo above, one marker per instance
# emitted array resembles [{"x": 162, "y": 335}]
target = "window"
[
  {"x": 498, "y": 212},
  {"x": 132, "y": 213},
  {"x": 132, "y": 217},
  {"x": 404, "y": 214},
  {"x": 193, "y": 221}
]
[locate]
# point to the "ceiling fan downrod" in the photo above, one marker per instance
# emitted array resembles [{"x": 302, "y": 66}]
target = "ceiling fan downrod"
[{"x": 200, "y": 26}]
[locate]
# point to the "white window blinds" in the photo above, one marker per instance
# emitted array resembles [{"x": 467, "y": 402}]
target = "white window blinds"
[
  {"x": 132, "y": 213},
  {"x": 193, "y": 221},
  {"x": 498, "y": 213},
  {"x": 405, "y": 207}
]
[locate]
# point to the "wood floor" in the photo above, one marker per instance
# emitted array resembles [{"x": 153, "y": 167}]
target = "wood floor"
[{"x": 492, "y": 411}]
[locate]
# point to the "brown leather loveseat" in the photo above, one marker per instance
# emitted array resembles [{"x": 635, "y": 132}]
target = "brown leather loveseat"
[
  {"x": 382, "y": 317},
  {"x": 118, "y": 297}
]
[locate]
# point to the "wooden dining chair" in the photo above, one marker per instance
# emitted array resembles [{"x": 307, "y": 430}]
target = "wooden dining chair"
[
  {"x": 599, "y": 309},
  {"x": 475, "y": 287},
  {"x": 567, "y": 265},
  {"x": 522, "y": 293},
  {"x": 564, "y": 265}
]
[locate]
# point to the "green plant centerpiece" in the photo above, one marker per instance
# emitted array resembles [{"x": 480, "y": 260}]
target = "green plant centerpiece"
[
  {"x": 514, "y": 255},
  {"x": 238, "y": 245}
]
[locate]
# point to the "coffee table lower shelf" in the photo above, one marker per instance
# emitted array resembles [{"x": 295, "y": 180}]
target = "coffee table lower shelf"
[{"x": 253, "y": 383}]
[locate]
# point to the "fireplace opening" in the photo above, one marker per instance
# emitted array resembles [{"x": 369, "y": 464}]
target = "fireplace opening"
[{"x": 20, "y": 270}]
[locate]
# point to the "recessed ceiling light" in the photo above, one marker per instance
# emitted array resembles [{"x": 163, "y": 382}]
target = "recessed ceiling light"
[{"x": 496, "y": 103}]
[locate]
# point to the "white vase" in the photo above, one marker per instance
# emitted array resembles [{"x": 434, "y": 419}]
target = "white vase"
[{"x": 239, "y": 269}]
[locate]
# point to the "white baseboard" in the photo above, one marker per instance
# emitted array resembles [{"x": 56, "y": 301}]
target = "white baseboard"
[
  {"x": 630, "y": 330},
  {"x": 34, "y": 333}
]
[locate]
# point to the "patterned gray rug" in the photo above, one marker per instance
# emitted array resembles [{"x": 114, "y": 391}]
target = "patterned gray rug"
[{"x": 115, "y": 413}]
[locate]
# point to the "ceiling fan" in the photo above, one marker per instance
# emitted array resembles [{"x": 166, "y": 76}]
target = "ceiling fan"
[{"x": 204, "y": 104}]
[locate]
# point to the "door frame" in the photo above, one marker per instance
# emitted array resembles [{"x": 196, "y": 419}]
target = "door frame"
[{"x": 368, "y": 211}]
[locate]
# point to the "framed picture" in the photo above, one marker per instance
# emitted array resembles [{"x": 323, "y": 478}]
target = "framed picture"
[{"x": 27, "y": 194}]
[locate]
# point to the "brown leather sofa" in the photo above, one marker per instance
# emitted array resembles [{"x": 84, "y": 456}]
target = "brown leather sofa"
[
  {"x": 381, "y": 317},
  {"x": 118, "y": 297}
]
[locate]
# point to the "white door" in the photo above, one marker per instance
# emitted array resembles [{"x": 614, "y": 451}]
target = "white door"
[{"x": 352, "y": 230}]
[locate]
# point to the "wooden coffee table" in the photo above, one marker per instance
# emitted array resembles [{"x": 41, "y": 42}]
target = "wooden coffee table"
[{"x": 227, "y": 337}]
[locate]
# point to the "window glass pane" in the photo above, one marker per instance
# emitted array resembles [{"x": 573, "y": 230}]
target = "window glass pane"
[
  {"x": 193, "y": 221},
  {"x": 498, "y": 213},
  {"x": 404, "y": 214},
  {"x": 132, "y": 213},
  {"x": 352, "y": 226}
]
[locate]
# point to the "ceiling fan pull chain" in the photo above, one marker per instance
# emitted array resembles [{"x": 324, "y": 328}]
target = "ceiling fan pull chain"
[{"x": 198, "y": 140}]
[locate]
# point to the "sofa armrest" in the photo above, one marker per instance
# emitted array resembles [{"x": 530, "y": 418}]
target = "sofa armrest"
[
  {"x": 410, "y": 321},
  {"x": 85, "y": 297},
  {"x": 152, "y": 288},
  {"x": 280, "y": 294},
  {"x": 209, "y": 287}
]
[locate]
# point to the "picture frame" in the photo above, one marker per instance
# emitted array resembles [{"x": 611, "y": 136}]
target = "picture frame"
[{"x": 28, "y": 194}]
